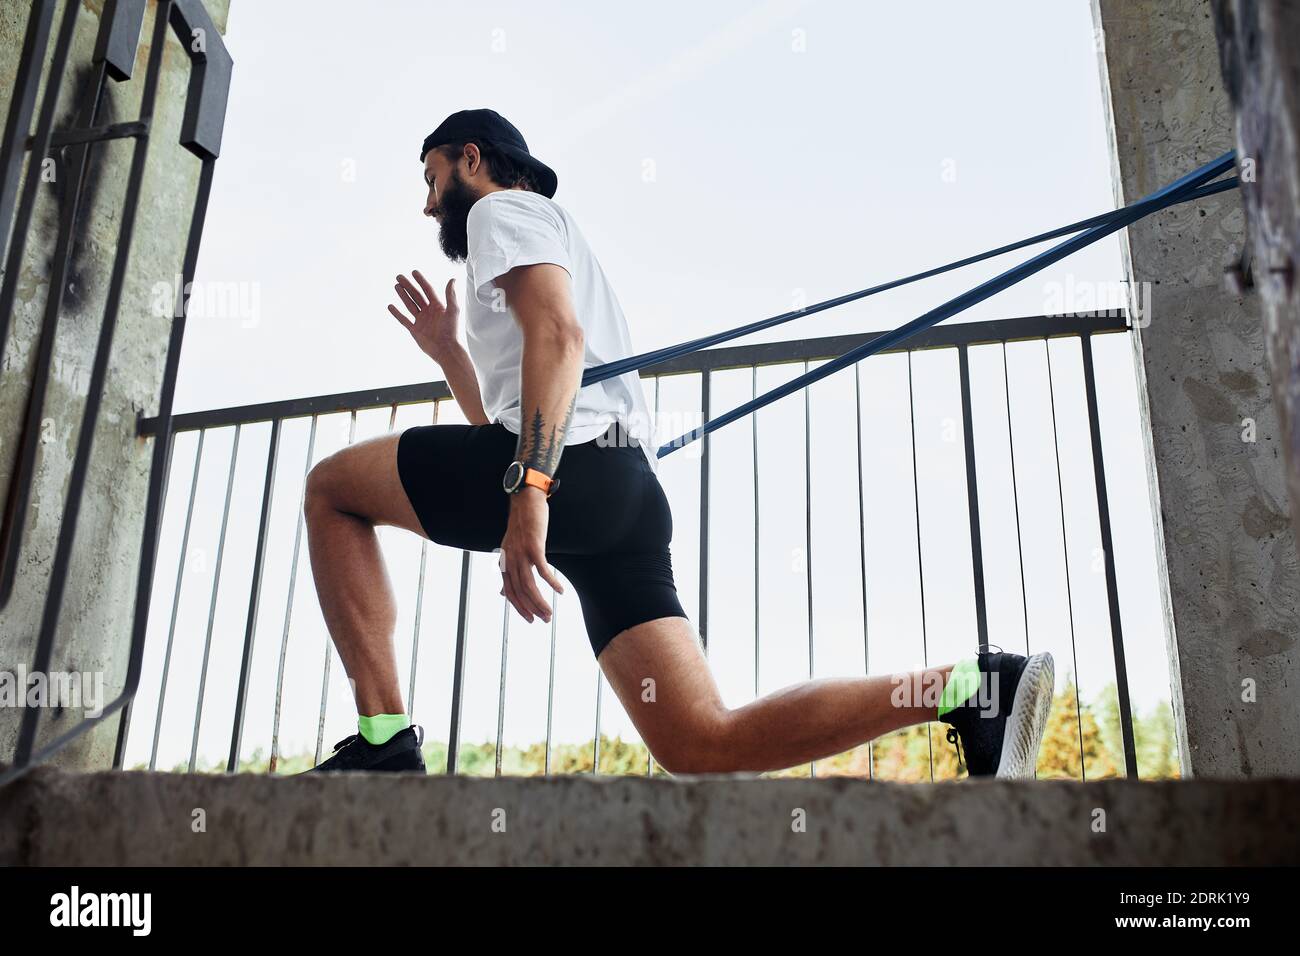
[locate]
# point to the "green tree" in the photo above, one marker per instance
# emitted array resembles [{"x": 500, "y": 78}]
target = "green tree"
[{"x": 1156, "y": 744}]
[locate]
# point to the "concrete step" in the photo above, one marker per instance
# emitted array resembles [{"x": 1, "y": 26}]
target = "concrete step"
[{"x": 55, "y": 817}]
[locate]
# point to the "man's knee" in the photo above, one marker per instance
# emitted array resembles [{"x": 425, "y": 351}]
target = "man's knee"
[
  {"x": 317, "y": 493},
  {"x": 699, "y": 745},
  {"x": 360, "y": 480}
]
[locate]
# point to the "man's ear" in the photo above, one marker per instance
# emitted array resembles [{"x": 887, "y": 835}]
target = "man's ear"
[{"x": 473, "y": 159}]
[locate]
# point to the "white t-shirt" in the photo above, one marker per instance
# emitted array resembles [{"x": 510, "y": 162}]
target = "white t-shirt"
[{"x": 515, "y": 227}]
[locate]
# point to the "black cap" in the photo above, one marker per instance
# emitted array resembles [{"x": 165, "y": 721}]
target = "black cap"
[{"x": 489, "y": 126}]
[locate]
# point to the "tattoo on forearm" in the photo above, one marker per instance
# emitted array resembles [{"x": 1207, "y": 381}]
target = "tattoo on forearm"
[{"x": 539, "y": 446}]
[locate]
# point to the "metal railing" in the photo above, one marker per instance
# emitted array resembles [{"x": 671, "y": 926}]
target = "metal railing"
[
  {"x": 704, "y": 365},
  {"x": 68, "y": 150}
]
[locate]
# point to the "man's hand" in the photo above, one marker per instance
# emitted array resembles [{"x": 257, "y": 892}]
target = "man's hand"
[
  {"x": 435, "y": 327},
  {"x": 523, "y": 549}
]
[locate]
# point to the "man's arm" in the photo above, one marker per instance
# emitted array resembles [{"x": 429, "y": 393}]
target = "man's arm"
[
  {"x": 540, "y": 296},
  {"x": 463, "y": 382},
  {"x": 435, "y": 328},
  {"x": 551, "y": 367}
]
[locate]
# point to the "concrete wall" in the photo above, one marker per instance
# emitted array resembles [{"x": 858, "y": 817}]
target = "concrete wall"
[
  {"x": 1258, "y": 41},
  {"x": 55, "y": 818},
  {"x": 1233, "y": 586},
  {"x": 95, "y": 626}
]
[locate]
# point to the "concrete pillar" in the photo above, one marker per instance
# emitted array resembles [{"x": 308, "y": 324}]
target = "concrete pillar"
[
  {"x": 95, "y": 623},
  {"x": 1261, "y": 70},
  {"x": 1214, "y": 451}
]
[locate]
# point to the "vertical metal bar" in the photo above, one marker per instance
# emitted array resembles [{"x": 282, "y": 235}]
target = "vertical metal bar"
[
  {"x": 1065, "y": 556},
  {"x": 415, "y": 637},
  {"x": 458, "y": 667},
  {"x": 124, "y": 724},
  {"x": 254, "y": 597},
  {"x": 90, "y": 415},
  {"x": 1108, "y": 555},
  {"x": 920, "y": 563},
  {"x": 329, "y": 639},
  {"x": 501, "y": 690},
  {"x": 288, "y": 604},
  {"x": 973, "y": 501},
  {"x": 1015, "y": 493},
  {"x": 807, "y": 526},
  {"x": 216, "y": 589},
  {"x": 123, "y": 728},
  {"x": 129, "y": 692},
  {"x": 862, "y": 545},
  {"x": 757, "y": 587},
  {"x": 17, "y": 125},
  {"x": 595, "y": 746},
  {"x": 550, "y": 687},
  {"x": 419, "y": 595},
  {"x": 324, "y": 691},
  {"x": 1015, "y": 498},
  {"x": 704, "y": 518},
  {"x": 650, "y": 758},
  {"x": 176, "y": 602}
]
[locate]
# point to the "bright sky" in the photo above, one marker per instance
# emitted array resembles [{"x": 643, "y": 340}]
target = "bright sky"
[{"x": 726, "y": 161}]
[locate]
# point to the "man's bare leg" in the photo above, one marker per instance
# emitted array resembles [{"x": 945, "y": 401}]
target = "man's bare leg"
[
  {"x": 348, "y": 494},
  {"x": 688, "y": 729},
  {"x": 686, "y": 725}
]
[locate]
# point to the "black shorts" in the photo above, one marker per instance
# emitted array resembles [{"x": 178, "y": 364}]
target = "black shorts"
[{"x": 609, "y": 524}]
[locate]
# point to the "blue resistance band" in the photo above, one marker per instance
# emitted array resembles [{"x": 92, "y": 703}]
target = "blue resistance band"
[
  {"x": 598, "y": 373},
  {"x": 1190, "y": 187}
]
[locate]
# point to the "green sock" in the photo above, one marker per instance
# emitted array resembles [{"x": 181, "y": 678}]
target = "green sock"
[
  {"x": 380, "y": 728},
  {"x": 963, "y": 681}
]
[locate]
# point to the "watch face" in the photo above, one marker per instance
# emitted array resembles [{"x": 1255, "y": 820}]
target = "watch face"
[{"x": 514, "y": 476}]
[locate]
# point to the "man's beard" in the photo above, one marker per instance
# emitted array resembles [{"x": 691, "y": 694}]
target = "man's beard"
[{"x": 453, "y": 226}]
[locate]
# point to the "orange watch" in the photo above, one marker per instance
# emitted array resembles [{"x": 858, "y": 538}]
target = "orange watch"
[{"x": 519, "y": 474}]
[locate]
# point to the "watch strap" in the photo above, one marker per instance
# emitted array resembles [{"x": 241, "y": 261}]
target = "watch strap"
[{"x": 540, "y": 480}]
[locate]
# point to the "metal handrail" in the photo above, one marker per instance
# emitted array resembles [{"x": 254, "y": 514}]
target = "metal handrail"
[{"x": 732, "y": 356}]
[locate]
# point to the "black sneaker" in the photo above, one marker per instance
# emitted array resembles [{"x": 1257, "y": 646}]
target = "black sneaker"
[
  {"x": 401, "y": 752},
  {"x": 1001, "y": 725}
]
